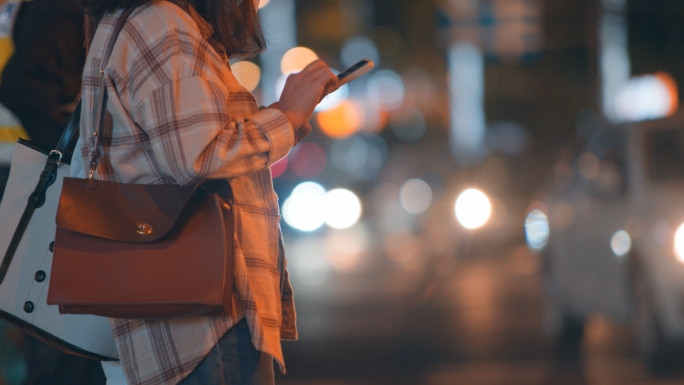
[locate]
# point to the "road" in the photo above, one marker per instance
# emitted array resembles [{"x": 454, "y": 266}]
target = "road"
[{"x": 479, "y": 321}]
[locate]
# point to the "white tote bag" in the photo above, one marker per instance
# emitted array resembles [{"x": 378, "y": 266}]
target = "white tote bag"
[{"x": 24, "y": 289}]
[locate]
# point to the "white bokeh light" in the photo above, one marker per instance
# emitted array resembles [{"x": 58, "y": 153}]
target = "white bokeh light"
[
  {"x": 386, "y": 88},
  {"x": 304, "y": 209},
  {"x": 537, "y": 229},
  {"x": 333, "y": 100},
  {"x": 473, "y": 208},
  {"x": 645, "y": 97},
  {"x": 621, "y": 243},
  {"x": 415, "y": 196},
  {"x": 342, "y": 209},
  {"x": 679, "y": 243}
]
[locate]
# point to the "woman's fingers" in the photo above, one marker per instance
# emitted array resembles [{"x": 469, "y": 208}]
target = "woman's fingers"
[
  {"x": 304, "y": 90},
  {"x": 331, "y": 85}
]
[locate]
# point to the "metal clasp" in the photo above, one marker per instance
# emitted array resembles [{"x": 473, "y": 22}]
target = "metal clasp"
[
  {"x": 144, "y": 229},
  {"x": 58, "y": 153},
  {"x": 92, "y": 183},
  {"x": 93, "y": 166}
]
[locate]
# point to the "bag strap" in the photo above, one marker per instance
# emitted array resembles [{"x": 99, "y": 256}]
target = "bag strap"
[
  {"x": 101, "y": 104},
  {"x": 66, "y": 144}
]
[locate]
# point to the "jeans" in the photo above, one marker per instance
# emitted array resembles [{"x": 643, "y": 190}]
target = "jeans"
[{"x": 234, "y": 361}]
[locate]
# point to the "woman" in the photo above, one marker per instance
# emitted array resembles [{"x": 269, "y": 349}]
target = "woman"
[{"x": 178, "y": 115}]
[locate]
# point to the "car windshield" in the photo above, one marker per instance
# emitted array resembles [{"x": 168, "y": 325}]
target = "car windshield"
[{"x": 665, "y": 154}]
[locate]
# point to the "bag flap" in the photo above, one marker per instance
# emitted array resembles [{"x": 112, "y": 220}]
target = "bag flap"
[{"x": 137, "y": 213}]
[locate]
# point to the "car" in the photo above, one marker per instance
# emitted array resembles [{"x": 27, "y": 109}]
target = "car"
[{"x": 610, "y": 228}]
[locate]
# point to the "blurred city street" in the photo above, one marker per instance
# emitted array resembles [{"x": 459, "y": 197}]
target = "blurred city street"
[{"x": 479, "y": 324}]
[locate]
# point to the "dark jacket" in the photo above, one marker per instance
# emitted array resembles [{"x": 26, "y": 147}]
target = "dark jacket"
[{"x": 43, "y": 77}]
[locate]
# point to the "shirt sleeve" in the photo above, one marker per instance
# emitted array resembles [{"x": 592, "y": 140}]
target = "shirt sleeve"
[{"x": 193, "y": 137}]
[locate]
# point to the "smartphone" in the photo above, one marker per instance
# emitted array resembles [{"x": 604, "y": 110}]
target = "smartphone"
[{"x": 355, "y": 71}]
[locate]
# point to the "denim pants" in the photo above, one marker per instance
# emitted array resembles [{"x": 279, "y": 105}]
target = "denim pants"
[{"x": 233, "y": 361}]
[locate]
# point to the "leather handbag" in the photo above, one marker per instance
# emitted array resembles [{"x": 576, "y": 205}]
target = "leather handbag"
[{"x": 141, "y": 251}]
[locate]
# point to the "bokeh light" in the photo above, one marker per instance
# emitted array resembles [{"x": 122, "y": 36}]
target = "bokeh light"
[
  {"x": 473, "y": 208},
  {"x": 334, "y": 99},
  {"x": 342, "y": 209},
  {"x": 588, "y": 165},
  {"x": 415, "y": 196},
  {"x": 362, "y": 156},
  {"x": 621, "y": 243},
  {"x": 307, "y": 160},
  {"x": 344, "y": 249},
  {"x": 304, "y": 210},
  {"x": 537, "y": 229},
  {"x": 679, "y": 243},
  {"x": 342, "y": 121},
  {"x": 468, "y": 123},
  {"x": 307, "y": 261},
  {"x": 386, "y": 89},
  {"x": 357, "y": 48},
  {"x": 350, "y": 154},
  {"x": 247, "y": 74},
  {"x": 647, "y": 97},
  {"x": 408, "y": 124},
  {"x": 279, "y": 167},
  {"x": 296, "y": 59},
  {"x": 374, "y": 118}
]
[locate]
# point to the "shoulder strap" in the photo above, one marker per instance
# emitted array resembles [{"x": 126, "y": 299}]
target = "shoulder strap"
[
  {"x": 102, "y": 96},
  {"x": 65, "y": 146},
  {"x": 67, "y": 142}
]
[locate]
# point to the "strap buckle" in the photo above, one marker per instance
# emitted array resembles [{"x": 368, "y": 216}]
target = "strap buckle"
[
  {"x": 93, "y": 167},
  {"x": 61, "y": 156}
]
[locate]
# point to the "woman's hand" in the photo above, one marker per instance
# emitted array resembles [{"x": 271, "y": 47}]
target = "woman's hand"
[{"x": 302, "y": 92}]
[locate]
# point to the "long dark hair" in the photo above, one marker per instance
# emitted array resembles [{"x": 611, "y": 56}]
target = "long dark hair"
[{"x": 235, "y": 22}]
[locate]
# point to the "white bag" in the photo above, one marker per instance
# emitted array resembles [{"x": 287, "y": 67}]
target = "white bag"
[{"x": 23, "y": 291}]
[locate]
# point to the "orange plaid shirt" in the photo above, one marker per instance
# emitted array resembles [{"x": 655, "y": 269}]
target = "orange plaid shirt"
[{"x": 178, "y": 115}]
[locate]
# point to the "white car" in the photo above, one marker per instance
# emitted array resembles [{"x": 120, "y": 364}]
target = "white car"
[{"x": 611, "y": 230}]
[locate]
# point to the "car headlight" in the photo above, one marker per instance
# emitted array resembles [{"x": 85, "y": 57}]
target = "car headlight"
[{"x": 679, "y": 243}]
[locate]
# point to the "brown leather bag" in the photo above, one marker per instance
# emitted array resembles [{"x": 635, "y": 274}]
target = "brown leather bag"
[{"x": 141, "y": 251}]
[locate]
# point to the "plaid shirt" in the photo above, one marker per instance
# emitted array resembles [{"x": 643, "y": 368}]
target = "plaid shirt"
[{"x": 178, "y": 115}]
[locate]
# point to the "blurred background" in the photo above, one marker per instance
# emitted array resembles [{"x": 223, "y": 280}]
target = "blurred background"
[
  {"x": 478, "y": 209},
  {"x": 498, "y": 202}
]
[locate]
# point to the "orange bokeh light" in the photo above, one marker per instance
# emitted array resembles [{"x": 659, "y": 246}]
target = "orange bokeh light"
[
  {"x": 296, "y": 59},
  {"x": 247, "y": 74},
  {"x": 672, "y": 89},
  {"x": 342, "y": 121}
]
